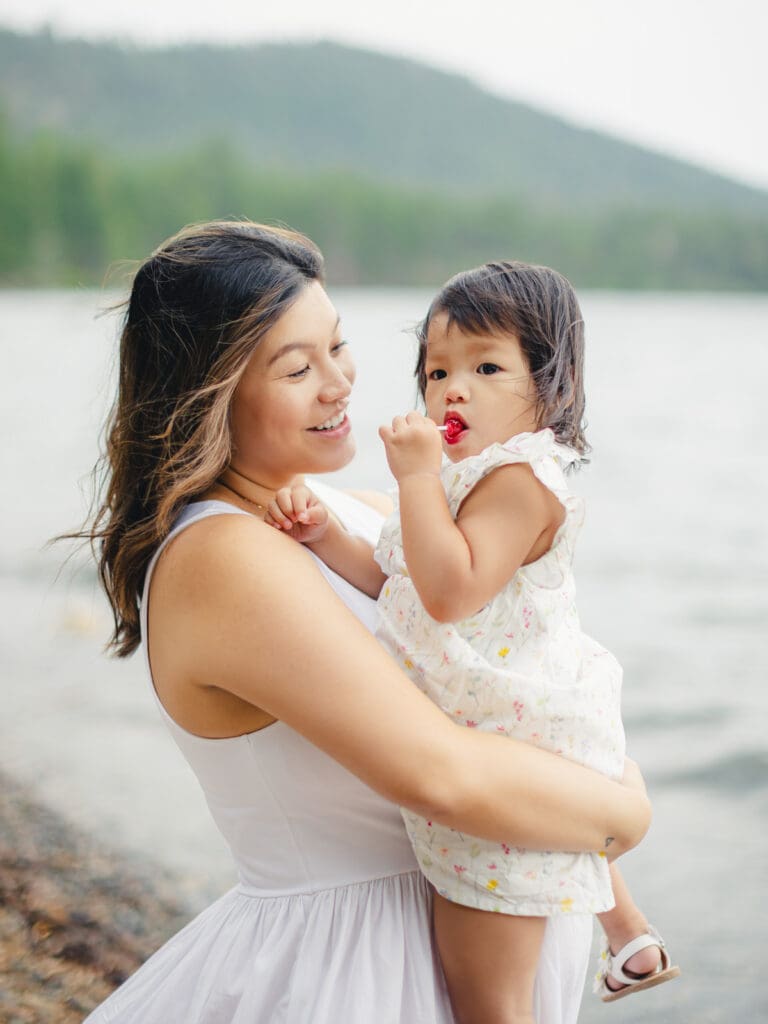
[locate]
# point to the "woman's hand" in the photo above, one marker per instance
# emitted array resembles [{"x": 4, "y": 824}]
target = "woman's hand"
[
  {"x": 413, "y": 446},
  {"x": 299, "y": 512}
]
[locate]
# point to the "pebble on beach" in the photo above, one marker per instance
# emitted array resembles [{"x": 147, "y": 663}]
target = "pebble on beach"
[{"x": 76, "y": 919}]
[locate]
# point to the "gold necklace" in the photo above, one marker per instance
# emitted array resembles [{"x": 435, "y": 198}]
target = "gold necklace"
[{"x": 242, "y": 497}]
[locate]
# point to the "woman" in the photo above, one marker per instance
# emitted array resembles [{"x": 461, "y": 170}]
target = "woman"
[{"x": 234, "y": 380}]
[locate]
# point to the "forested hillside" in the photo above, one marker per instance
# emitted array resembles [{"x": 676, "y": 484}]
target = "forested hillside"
[{"x": 401, "y": 172}]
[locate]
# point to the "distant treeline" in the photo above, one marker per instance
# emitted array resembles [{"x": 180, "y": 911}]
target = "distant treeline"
[{"x": 69, "y": 212}]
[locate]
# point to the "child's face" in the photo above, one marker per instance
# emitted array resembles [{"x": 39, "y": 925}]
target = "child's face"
[{"x": 479, "y": 385}]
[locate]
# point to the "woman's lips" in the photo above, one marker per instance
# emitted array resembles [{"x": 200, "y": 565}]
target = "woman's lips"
[{"x": 334, "y": 432}]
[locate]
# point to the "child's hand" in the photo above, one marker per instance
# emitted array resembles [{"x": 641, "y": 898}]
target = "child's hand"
[
  {"x": 413, "y": 445},
  {"x": 296, "y": 510}
]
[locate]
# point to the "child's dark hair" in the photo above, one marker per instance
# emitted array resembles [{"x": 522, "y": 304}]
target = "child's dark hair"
[{"x": 539, "y": 307}]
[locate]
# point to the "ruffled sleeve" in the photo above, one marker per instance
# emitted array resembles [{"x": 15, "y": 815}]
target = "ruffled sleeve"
[{"x": 546, "y": 457}]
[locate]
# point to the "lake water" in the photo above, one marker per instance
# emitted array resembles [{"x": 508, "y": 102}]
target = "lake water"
[{"x": 672, "y": 573}]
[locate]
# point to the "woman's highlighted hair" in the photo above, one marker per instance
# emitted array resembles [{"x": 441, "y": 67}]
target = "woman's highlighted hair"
[{"x": 198, "y": 307}]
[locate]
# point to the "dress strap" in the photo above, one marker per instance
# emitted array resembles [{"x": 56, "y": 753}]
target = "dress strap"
[{"x": 193, "y": 513}]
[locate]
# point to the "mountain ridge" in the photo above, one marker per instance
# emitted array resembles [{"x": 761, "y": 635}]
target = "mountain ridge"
[{"x": 325, "y": 106}]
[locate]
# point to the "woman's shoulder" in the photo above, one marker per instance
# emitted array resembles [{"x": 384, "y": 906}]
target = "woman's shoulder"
[
  {"x": 361, "y": 512},
  {"x": 215, "y": 553},
  {"x": 209, "y": 528},
  {"x": 377, "y": 500}
]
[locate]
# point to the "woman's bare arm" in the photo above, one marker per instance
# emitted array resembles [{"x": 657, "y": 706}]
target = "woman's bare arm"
[
  {"x": 377, "y": 500},
  {"x": 242, "y": 608}
]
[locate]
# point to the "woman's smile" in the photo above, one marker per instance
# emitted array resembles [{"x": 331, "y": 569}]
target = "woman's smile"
[{"x": 333, "y": 425}]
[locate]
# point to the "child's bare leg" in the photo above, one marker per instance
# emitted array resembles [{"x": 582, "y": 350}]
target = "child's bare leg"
[
  {"x": 489, "y": 961},
  {"x": 622, "y": 924}
]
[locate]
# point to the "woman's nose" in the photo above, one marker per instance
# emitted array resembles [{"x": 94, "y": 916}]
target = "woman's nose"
[{"x": 337, "y": 383}]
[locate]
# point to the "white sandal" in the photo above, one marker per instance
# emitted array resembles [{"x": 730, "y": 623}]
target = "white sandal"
[{"x": 613, "y": 964}]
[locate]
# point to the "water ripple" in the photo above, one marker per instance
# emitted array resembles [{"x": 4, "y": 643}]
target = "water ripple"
[
  {"x": 734, "y": 773},
  {"x": 667, "y": 720}
]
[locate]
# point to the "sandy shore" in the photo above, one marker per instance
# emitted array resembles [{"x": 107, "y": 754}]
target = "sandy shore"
[{"x": 75, "y": 917}]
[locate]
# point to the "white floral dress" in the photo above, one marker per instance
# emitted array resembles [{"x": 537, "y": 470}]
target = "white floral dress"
[{"x": 522, "y": 667}]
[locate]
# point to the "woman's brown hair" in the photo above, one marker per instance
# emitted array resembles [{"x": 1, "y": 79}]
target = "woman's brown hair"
[
  {"x": 198, "y": 307},
  {"x": 538, "y": 306}
]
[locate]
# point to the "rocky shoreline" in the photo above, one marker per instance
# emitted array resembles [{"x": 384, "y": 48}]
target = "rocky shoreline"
[{"x": 75, "y": 917}]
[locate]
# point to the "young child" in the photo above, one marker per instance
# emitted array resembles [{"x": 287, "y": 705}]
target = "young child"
[{"x": 476, "y": 595}]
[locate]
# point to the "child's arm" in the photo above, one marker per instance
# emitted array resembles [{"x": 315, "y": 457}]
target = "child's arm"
[
  {"x": 296, "y": 510},
  {"x": 509, "y": 518},
  {"x": 351, "y": 557}
]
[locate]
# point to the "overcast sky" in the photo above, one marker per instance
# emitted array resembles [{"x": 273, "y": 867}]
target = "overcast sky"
[{"x": 687, "y": 77}]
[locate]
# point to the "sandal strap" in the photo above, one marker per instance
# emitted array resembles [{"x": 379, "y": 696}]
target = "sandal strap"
[{"x": 617, "y": 961}]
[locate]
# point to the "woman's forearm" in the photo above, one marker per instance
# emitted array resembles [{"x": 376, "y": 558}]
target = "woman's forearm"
[{"x": 538, "y": 800}]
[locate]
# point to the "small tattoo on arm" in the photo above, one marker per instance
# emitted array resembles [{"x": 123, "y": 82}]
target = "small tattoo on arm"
[{"x": 608, "y": 840}]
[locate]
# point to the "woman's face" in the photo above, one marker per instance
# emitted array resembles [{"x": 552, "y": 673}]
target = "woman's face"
[{"x": 288, "y": 413}]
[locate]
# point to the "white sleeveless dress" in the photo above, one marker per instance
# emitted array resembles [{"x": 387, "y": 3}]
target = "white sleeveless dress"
[{"x": 330, "y": 920}]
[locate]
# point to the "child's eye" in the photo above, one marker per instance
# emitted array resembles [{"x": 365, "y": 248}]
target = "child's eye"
[
  {"x": 339, "y": 346},
  {"x": 436, "y": 375},
  {"x": 297, "y": 374},
  {"x": 488, "y": 368}
]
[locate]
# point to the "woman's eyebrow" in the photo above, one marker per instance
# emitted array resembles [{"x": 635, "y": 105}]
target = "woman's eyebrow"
[{"x": 292, "y": 346}]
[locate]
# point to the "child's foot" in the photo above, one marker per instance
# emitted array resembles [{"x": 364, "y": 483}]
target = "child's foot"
[{"x": 641, "y": 963}]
